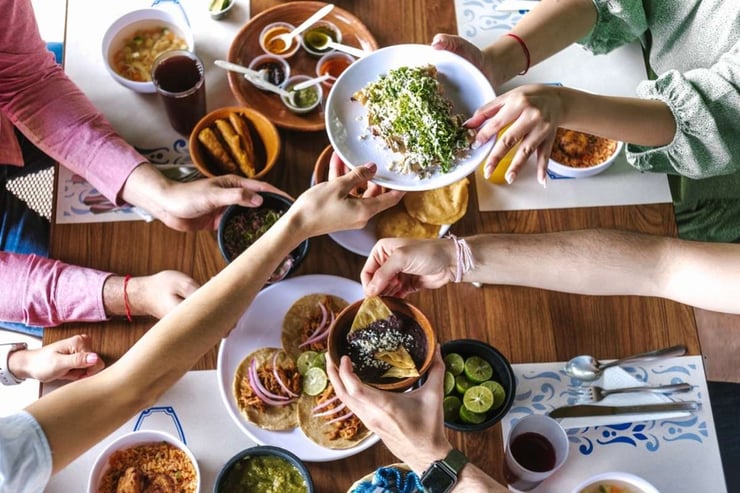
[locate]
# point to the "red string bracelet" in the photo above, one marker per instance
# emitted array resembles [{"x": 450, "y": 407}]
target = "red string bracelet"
[
  {"x": 125, "y": 298},
  {"x": 526, "y": 51}
]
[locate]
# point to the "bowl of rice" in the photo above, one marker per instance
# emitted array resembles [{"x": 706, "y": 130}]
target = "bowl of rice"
[
  {"x": 149, "y": 460},
  {"x": 579, "y": 154},
  {"x": 134, "y": 40}
]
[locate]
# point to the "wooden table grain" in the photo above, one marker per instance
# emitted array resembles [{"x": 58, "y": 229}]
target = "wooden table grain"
[{"x": 527, "y": 325}]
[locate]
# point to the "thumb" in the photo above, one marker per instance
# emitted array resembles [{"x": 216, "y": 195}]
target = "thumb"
[{"x": 385, "y": 274}]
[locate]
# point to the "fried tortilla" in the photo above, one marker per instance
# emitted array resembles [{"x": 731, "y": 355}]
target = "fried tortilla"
[
  {"x": 445, "y": 205},
  {"x": 402, "y": 365},
  {"x": 397, "y": 223},
  {"x": 222, "y": 159},
  {"x": 371, "y": 310},
  {"x": 241, "y": 128},
  {"x": 303, "y": 317},
  {"x": 234, "y": 143},
  {"x": 251, "y": 407},
  {"x": 338, "y": 435}
]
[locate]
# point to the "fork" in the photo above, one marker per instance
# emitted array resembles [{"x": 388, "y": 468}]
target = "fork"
[{"x": 595, "y": 393}]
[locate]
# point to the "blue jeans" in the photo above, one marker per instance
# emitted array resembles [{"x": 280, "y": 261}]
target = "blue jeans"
[{"x": 23, "y": 230}]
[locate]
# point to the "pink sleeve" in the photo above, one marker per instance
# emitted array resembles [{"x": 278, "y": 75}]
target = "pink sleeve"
[
  {"x": 39, "y": 99},
  {"x": 43, "y": 292}
]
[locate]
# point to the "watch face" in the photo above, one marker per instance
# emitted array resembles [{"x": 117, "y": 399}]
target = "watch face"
[{"x": 437, "y": 480}]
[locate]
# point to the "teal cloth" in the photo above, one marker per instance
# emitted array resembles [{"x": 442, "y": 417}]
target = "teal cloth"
[
  {"x": 693, "y": 47},
  {"x": 390, "y": 480}
]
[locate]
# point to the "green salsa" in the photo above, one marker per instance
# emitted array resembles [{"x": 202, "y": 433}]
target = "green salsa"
[
  {"x": 265, "y": 474},
  {"x": 305, "y": 98}
]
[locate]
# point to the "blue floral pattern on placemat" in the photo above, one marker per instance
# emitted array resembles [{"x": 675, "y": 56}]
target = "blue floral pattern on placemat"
[
  {"x": 479, "y": 22},
  {"x": 541, "y": 390}
]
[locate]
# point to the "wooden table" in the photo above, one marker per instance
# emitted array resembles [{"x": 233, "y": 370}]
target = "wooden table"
[{"x": 527, "y": 325}]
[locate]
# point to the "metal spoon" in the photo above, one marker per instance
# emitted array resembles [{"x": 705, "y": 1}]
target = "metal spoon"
[
  {"x": 287, "y": 38},
  {"x": 321, "y": 41},
  {"x": 588, "y": 368}
]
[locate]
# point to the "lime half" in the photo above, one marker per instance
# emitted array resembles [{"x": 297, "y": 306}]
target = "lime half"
[
  {"x": 304, "y": 361},
  {"x": 451, "y": 405},
  {"x": 462, "y": 383},
  {"x": 468, "y": 416},
  {"x": 478, "y": 399},
  {"x": 449, "y": 383},
  {"x": 499, "y": 394},
  {"x": 314, "y": 381},
  {"x": 477, "y": 369},
  {"x": 454, "y": 363}
]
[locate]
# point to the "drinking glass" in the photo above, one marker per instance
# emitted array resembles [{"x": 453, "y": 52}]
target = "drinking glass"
[
  {"x": 179, "y": 78},
  {"x": 536, "y": 448}
]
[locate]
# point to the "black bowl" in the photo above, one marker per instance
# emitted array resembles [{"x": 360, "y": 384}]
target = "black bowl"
[
  {"x": 264, "y": 450},
  {"x": 502, "y": 373},
  {"x": 270, "y": 201}
]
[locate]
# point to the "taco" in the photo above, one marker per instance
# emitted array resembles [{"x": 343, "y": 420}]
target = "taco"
[
  {"x": 304, "y": 320},
  {"x": 326, "y": 421},
  {"x": 268, "y": 402}
]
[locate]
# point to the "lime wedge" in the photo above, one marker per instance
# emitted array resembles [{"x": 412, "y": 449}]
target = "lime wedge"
[
  {"x": 477, "y": 369},
  {"x": 462, "y": 383},
  {"x": 304, "y": 361},
  {"x": 451, "y": 405},
  {"x": 314, "y": 381},
  {"x": 319, "y": 361},
  {"x": 449, "y": 383},
  {"x": 468, "y": 416},
  {"x": 478, "y": 399},
  {"x": 454, "y": 363},
  {"x": 499, "y": 394}
]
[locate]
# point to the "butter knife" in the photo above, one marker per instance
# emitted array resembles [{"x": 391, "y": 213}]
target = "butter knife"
[{"x": 596, "y": 410}]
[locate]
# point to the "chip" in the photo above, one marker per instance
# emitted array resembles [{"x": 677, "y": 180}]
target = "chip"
[
  {"x": 397, "y": 223},
  {"x": 445, "y": 205}
]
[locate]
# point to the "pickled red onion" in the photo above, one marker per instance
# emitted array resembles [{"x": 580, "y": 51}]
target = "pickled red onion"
[
  {"x": 277, "y": 377},
  {"x": 331, "y": 411},
  {"x": 260, "y": 391},
  {"x": 341, "y": 418}
]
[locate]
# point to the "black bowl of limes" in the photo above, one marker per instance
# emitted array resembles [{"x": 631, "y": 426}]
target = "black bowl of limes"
[{"x": 479, "y": 385}]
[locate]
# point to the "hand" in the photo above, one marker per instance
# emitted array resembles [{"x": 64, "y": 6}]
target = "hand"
[
  {"x": 535, "y": 112},
  {"x": 329, "y": 207},
  {"x": 68, "y": 359},
  {"x": 411, "y": 424},
  {"x": 338, "y": 168},
  {"x": 399, "y": 266},
  {"x": 158, "y": 294},
  {"x": 461, "y": 46}
]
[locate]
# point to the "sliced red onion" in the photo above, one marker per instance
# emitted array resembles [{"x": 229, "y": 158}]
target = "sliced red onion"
[
  {"x": 321, "y": 326},
  {"x": 319, "y": 336},
  {"x": 260, "y": 391},
  {"x": 324, "y": 404},
  {"x": 341, "y": 418},
  {"x": 276, "y": 374},
  {"x": 331, "y": 411}
]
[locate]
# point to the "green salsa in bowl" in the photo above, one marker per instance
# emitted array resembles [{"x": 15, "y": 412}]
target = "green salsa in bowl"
[{"x": 266, "y": 469}]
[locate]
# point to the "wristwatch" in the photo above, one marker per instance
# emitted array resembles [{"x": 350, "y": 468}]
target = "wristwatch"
[
  {"x": 6, "y": 376},
  {"x": 441, "y": 476}
]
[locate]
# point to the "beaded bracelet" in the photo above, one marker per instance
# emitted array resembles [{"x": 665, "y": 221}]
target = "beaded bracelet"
[
  {"x": 464, "y": 255},
  {"x": 526, "y": 51},
  {"x": 126, "y": 306}
]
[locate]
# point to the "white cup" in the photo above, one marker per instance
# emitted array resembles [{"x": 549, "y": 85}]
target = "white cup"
[{"x": 537, "y": 446}]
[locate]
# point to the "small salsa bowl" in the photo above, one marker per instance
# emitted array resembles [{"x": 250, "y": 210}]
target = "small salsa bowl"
[
  {"x": 580, "y": 155},
  {"x": 628, "y": 483},
  {"x": 312, "y": 96},
  {"x": 274, "y": 29},
  {"x": 219, "y": 9},
  {"x": 122, "y": 450},
  {"x": 320, "y": 29},
  {"x": 236, "y": 218},
  {"x": 337, "y": 340},
  {"x": 124, "y": 28},
  {"x": 264, "y": 135},
  {"x": 278, "y": 69},
  {"x": 256, "y": 460},
  {"x": 502, "y": 373},
  {"x": 333, "y": 64}
]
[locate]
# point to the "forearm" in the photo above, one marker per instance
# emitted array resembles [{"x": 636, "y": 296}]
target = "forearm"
[
  {"x": 608, "y": 262},
  {"x": 162, "y": 355},
  {"x": 550, "y": 27},
  {"x": 637, "y": 121},
  {"x": 144, "y": 188}
]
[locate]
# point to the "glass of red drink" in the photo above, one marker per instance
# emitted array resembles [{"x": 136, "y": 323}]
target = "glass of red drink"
[
  {"x": 537, "y": 446},
  {"x": 179, "y": 78}
]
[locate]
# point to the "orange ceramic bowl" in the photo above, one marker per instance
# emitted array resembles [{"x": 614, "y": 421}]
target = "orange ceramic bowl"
[
  {"x": 337, "y": 340},
  {"x": 265, "y": 138}
]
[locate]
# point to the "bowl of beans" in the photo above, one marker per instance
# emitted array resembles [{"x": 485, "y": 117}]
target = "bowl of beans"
[
  {"x": 134, "y": 40},
  {"x": 579, "y": 154}
]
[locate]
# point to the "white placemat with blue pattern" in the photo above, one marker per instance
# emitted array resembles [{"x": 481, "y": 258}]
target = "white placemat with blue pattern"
[
  {"x": 617, "y": 74},
  {"x": 677, "y": 454}
]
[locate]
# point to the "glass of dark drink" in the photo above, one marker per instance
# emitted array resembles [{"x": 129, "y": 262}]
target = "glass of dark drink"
[
  {"x": 537, "y": 446},
  {"x": 179, "y": 77}
]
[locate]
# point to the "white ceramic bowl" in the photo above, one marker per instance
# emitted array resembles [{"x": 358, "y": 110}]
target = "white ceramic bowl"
[
  {"x": 637, "y": 484},
  {"x": 123, "y": 27},
  {"x": 559, "y": 169},
  {"x": 131, "y": 440}
]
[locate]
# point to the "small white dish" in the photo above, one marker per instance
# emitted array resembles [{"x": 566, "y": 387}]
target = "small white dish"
[
  {"x": 626, "y": 480},
  {"x": 562, "y": 170}
]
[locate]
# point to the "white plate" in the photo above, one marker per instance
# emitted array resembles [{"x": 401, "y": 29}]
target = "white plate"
[
  {"x": 346, "y": 121},
  {"x": 261, "y": 326}
]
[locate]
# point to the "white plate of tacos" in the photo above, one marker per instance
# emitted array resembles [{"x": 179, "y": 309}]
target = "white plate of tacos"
[{"x": 262, "y": 327}]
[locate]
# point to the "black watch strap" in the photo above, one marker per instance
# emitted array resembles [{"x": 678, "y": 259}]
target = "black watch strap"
[
  {"x": 456, "y": 460},
  {"x": 441, "y": 477}
]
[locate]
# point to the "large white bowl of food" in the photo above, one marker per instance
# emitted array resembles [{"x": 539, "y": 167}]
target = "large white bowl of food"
[
  {"x": 147, "y": 460},
  {"x": 615, "y": 482},
  {"x": 135, "y": 39}
]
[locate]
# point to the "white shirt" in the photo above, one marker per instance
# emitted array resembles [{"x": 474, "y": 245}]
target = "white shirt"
[{"x": 25, "y": 455}]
